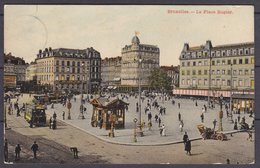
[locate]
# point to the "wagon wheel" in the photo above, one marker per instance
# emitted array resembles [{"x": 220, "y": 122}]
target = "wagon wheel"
[{"x": 220, "y": 137}]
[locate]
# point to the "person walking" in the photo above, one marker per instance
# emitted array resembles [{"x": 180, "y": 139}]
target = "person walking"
[
  {"x": 63, "y": 115},
  {"x": 185, "y": 138},
  {"x": 163, "y": 130},
  {"x": 179, "y": 116},
  {"x": 238, "y": 118},
  {"x": 156, "y": 118},
  {"x": 202, "y": 117},
  {"x": 181, "y": 125},
  {"x": 179, "y": 105},
  {"x": 214, "y": 124},
  {"x": 159, "y": 121},
  {"x": 188, "y": 147},
  {"x": 54, "y": 116},
  {"x": 235, "y": 125},
  {"x": 50, "y": 122},
  {"x": 35, "y": 148},
  {"x": 17, "y": 152}
]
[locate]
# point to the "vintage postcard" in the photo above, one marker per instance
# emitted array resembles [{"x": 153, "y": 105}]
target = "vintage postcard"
[{"x": 129, "y": 84}]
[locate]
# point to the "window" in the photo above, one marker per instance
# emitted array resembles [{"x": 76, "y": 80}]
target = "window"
[
  {"x": 205, "y": 72},
  {"x": 246, "y": 52},
  {"x": 252, "y": 51},
  {"x": 73, "y": 70},
  {"x": 213, "y": 63},
  {"x": 193, "y": 72},
  {"x": 223, "y": 72},
  {"x": 234, "y": 61},
  {"x": 68, "y": 78},
  {"x": 218, "y": 72},
  {"x": 57, "y": 62},
  {"x": 246, "y": 61},
  {"x": 240, "y": 83},
  {"x": 234, "y": 72},
  {"x": 57, "y": 69},
  {"x": 78, "y": 63},
  {"x": 188, "y": 72},
  {"x": 205, "y": 81},
  {"x": 240, "y": 61},
  {"x": 194, "y": 63},
  {"x": 246, "y": 71},
  {"x": 78, "y": 70},
  {"x": 223, "y": 53},
  {"x": 199, "y": 63},
  {"x": 62, "y": 69},
  {"x": 73, "y": 63},
  {"x": 78, "y": 78},
  {"x": 62, "y": 63},
  {"x": 229, "y": 62},
  {"x": 188, "y": 63},
  {"x": 182, "y": 73},
  {"x": 182, "y": 64},
  {"x": 218, "y": 62},
  {"x": 223, "y": 62},
  {"x": 199, "y": 72},
  {"x": 240, "y": 72},
  {"x": 205, "y": 62},
  {"x": 228, "y": 82},
  {"x": 240, "y": 52}
]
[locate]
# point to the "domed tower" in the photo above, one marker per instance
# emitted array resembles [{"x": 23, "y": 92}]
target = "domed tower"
[{"x": 135, "y": 40}]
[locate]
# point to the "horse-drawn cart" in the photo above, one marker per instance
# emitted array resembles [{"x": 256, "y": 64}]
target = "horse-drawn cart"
[{"x": 208, "y": 133}]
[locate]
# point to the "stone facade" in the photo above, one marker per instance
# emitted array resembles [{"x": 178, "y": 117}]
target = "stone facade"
[
  {"x": 149, "y": 55},
  {"x": 70, "y": 69},
  {"x": 111, "y": 71},
  {"x": 14, "y": 70},
  {"x": 196, "y": 63}
]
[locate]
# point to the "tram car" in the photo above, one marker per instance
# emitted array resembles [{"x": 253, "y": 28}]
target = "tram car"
[{"x": 35, "y": 114}]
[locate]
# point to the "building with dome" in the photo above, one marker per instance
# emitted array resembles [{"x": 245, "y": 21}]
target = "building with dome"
[{"x": 149, "y": 55}]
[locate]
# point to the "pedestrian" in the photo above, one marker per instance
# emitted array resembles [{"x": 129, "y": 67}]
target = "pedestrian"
[
  {"x": 54, "y": 115},
  {"x": 235, "y": 125},
  {"x": 202, "y": 117},
  {"x": 181, "y": 125},
  {"x": 228, "y": 161},
  {"x": 17, "y": 152},
  {"x": 34, "y": 148},
  {"x": 179, "y": 105},
  {"x": 251, "y": 112},
  {"x": 149, "y": 116},
  {"x": 6, "y": 150},
  {"x": 18, "y": 112},
  {"x": 179, "y": 116},
  {"x": 100, "y": 123},
  {"x": 159, "y": 121},
  {"x": 160, "y": 129},
  {"x": 214, "y": 124},
  {"x": 54, "y": 124},
  {"x": 156, "y": 118},
  {"x": 50, "y": 123},
  {"x": 31, "y": 122},
  {"x": 185, "y": 138},
  {"x": 163, "y": 130},
  {"x": 238, "y": 118},
  {"x": 196, "y": 103},
  {"x": 63, "y": 115},
  {"x": 188, "y": 147}
]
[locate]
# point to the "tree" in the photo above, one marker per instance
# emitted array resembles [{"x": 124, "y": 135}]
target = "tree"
[{"x": 159, "y": 81}]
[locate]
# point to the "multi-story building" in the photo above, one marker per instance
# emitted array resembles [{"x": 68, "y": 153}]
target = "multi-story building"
[
  {"x": 31, "y": 72},
  {"x": 14, "y": 71},
  {"x": 147, "y": 56},
  {"x": 111, "y": 72},
  {"x": 173, "y": 73},
  {"x": 71, "y": 69},
  {"x": 214, "y": 71}
]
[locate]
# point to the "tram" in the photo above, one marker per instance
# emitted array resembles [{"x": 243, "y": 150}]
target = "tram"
[{"x": 35, "y": 114}]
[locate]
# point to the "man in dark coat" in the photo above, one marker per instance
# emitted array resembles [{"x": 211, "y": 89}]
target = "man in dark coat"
[
  {"x": 179, "y": 116},
  {"x": 34, "y": 148},
  {"x": 202, "y": 117},
  {"x": 188, "y": 147},
  {"x": 185, "y": 138},
  {"x": 17, "y": 151}
]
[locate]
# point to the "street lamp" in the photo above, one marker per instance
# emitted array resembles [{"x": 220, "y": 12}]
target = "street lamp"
[
  {"x": 220, "y": 128},
  {"x": 81, "y": 116},
  {"x": 139, "y": 126},
  {"x": 135, "y": 120}
]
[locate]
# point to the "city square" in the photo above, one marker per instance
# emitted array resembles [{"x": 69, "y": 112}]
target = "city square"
[{"x": 126, "y": 89}]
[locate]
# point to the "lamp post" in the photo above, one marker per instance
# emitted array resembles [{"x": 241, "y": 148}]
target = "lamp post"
[
  {"x": 135, "y": 120},
  {"x": 139, "y": 126},
  {"x": 81, "y": 116},
  {"x": 220, "y": 128},
  {"x": 209, "y": 77},
  {"x": 231, "y": 88}
]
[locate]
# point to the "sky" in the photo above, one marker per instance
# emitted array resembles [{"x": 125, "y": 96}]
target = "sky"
[{"x": 29, "y": 28}]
